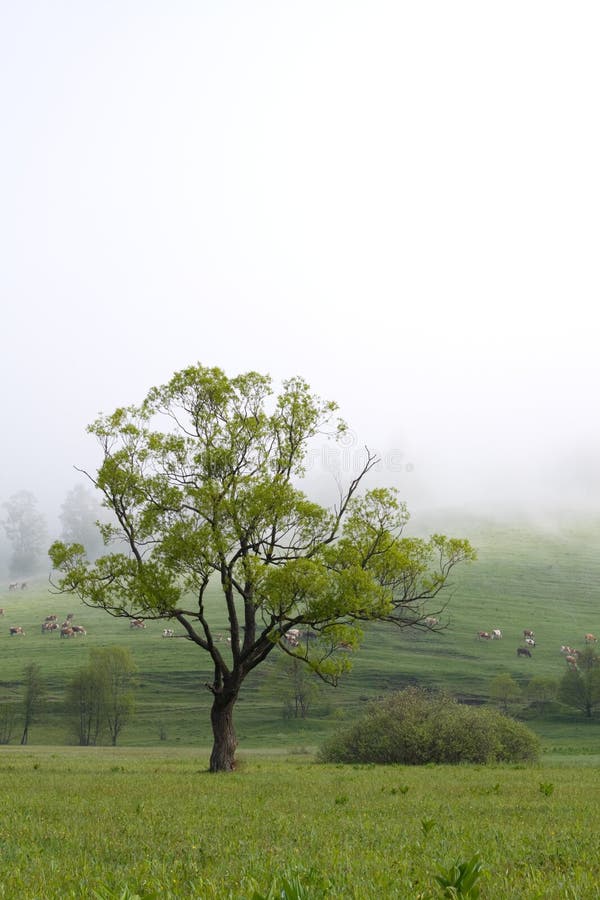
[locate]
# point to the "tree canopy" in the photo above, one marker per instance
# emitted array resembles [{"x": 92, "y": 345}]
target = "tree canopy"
[{"x": 204, "y": 479}]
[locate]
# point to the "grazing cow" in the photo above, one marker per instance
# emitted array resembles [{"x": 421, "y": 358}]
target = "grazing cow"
[
  {"x": 590, "y": 639},
  {"x": 50, "y": 619},
  {"x": 530, "y": 641},
  {"x": 137, "y": 623},
  {"x": 49, "y": 626},
  {"x": 13, "y": 586},
  {"x": 523, "y": 651},
  {"x": 168, "y": 633},
  {"x": 78, "y": 629},
  {"x": 484, "y": 636},
  {"x": 308, "y": 635},
  {"x": 23, "y": 585},
  {"x": 496, "y": 634},
  {"x": 67, "y": 632},
  {"x": 566, "y": 649},
  {"x": 292, "y": 637},
  {"x": 527, "y": 632},
  {"x": 571, "y": 661},
  {"x": 15, "y": 629}
]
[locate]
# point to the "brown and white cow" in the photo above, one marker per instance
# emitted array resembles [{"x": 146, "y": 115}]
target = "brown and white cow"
[
  {"x": 137, "y": 623},
  {"x": 590, "y": 639},
  {"x": 528, "y": 633},
  {"x": 66, "y": 632},
  {"x": 15, "y": 629},
  {"x": 484, "y": 636},
  {"x": 78, "y": 629},
  {"x": 1, "y": 610}
]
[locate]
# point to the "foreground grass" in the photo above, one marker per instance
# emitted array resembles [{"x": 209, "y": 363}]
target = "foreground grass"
[{"x": 103, "y": 823}]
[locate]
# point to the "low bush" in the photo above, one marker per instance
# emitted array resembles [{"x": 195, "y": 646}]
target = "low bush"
[{"x": 415, "y": 727}]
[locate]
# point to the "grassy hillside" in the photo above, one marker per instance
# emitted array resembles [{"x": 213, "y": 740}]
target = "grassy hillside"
[{"x": 546, "y": 580}]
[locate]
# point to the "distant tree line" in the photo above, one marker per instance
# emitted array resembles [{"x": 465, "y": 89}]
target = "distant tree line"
[
  {"x": 99, "y": 700},
  {"x": 26, "y": 530},
  {"x": 578, "y": 688}
]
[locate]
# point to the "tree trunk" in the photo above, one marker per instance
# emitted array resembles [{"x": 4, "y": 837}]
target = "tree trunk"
[{"x": 222, "y": 758}]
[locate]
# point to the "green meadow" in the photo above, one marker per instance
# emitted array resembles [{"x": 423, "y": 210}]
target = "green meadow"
[{"x": 126, "y": 823}]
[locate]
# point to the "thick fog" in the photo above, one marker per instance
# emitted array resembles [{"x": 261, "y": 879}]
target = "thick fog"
[{"x": 397, "y": 201}]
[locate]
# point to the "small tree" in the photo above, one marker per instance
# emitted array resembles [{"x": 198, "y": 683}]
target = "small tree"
[
  {"x": 295, "y": 684},
  {"x": 25, "y": 528},
  {"x": 85, "y": 705},
  {"x": 203, "y": 481},
  {"x": 504, "y": 690},
  {"x": 114, "y": 669},
  {"x": 580, "y": 688},
  {"x": 34, "y": 697},
  {"x": 541, "y": 692}
]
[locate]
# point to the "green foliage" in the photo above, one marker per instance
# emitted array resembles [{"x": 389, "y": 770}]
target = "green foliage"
[
  {"x": 414, "y": 727},
  {"x": 541, "y": 691},
  {"x": 309, "y": 885},
  {"x": 504, "y": 690},
  {"x": 460, "y": 880},
  {"x": 293, "y": 683},
  {"x": 114, "y": 670},
  {"x": 580, "y": 687},
  {"x": 99, "y": 696}
]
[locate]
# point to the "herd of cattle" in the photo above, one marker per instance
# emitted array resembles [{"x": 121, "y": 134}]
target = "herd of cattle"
[
  {"x": 294, "y": 636},
  {"x": 570, "y": 653},
  {"x": 68, "y": 629}
]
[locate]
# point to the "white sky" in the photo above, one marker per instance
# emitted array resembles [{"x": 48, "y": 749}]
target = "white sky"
[{"x": 398, "y": 201}]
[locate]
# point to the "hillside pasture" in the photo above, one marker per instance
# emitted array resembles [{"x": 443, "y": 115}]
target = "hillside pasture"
[{"x": 547, "y": 581}]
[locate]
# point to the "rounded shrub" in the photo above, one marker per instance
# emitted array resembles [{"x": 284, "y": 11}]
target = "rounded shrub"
[{"x": 415, "y": 727}]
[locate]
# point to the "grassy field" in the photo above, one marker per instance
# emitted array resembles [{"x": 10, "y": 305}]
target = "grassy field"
[
  {"x": 104, "y": 823},
  {"x": 546, "y": 580}
]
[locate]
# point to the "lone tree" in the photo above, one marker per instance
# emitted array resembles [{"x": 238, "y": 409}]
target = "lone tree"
[
  {"x": 580, "y": 687},
  {"x": 203, "y": 480},
  {"x": 99, "y": 697}
]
